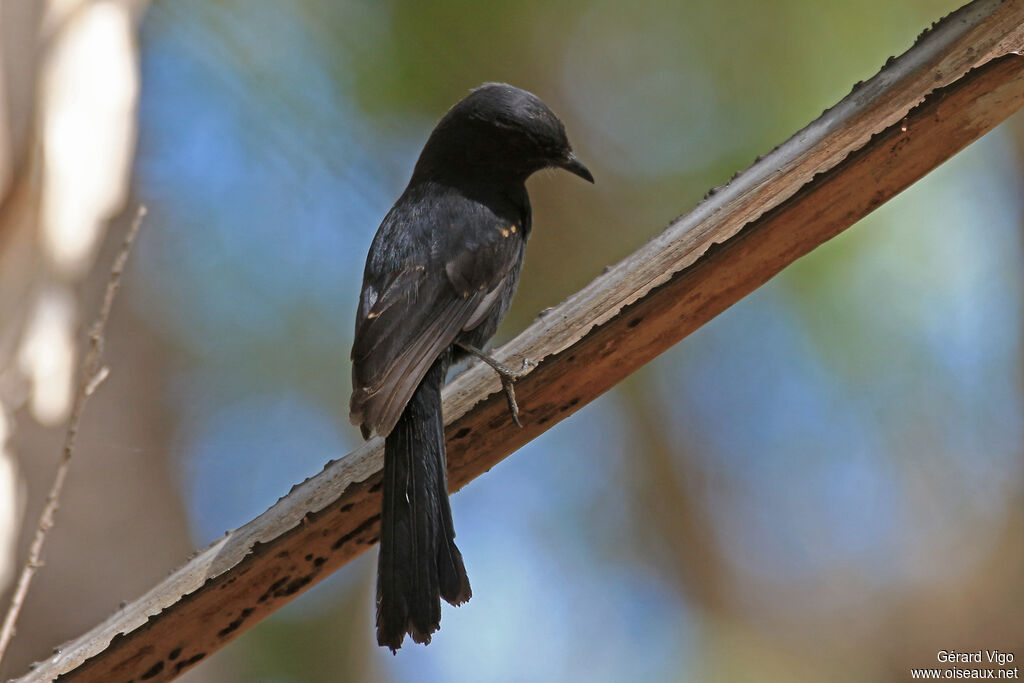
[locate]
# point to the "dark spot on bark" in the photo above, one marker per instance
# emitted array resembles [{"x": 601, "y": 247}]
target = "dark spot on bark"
[
  {"x": 375, "y": 487},
  {"x": 346, "y": 507},
  {"x": 294, "y": 586},
  {"x": 309, "y": 558},
  {"x": 355, "y": 532},
  {"x": 273, "y": 588},
  {"x": 174, "y": 653},
  {"x": 572, "y": 403},
  {"x": 570, "y": 358},
  {"x": 543, "y": 420},
  {"x": 283, "y": 555},
  {"x": 153, "y": 670},
  {"x": 634, "y": 322},
  {"x": 319, "y": 561},
  {"x": 371, "y": 541},
  {"x": 462, "y": 433},
  {"x": 236, "y": 624},
  {"x": 188, "y": 662}
]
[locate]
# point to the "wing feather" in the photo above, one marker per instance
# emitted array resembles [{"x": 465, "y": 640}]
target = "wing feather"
[{"x": 414, "y": 306}]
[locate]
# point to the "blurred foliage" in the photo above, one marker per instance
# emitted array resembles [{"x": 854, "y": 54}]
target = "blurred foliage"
[{"x": 799, "y": 488}]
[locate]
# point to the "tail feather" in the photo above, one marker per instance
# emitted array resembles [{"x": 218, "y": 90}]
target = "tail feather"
[{"x": 418, "y": 562}]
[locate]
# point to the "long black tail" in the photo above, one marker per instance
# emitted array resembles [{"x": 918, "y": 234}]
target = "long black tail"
[{"x": 418, "y": 562}]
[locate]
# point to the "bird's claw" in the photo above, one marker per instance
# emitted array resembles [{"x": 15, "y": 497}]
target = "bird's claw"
[
  {"x": 507, "y": 376},
  {"x": 508, "y": 379},
  {"x": 527, "y": 368},
  {"x": 510, "y": 393},
  {"x": 515, "y": 375}
]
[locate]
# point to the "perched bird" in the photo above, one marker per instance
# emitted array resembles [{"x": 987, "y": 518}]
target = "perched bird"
[{"x": 439, "y": 278}]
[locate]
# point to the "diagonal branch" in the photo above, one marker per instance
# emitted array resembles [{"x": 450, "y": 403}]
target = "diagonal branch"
[{"x": 955, "y": 84}]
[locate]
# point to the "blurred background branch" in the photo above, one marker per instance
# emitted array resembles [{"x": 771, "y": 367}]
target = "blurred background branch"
[
  {"x": 69, "y": 87},
  {"x": 91, "y": 373}
]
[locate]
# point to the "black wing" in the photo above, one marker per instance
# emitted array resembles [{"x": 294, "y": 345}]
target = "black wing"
[{"x": 435, "y": 268}]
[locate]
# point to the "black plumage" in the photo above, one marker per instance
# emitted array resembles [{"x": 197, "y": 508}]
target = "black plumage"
[{"x": 439, "y": 278}]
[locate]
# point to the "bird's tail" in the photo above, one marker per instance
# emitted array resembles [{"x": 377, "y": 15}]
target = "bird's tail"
[{"x": 418, "y": 562}]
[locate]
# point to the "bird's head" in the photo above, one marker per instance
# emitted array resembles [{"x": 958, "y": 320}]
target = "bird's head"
[{"x": 499, "y": 132}]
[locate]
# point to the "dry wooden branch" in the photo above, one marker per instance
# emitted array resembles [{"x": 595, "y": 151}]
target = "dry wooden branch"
[{"x": 918, "y": 111}]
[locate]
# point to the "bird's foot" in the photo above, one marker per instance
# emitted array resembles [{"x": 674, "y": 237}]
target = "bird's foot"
[{"x": 507, "y": 375}]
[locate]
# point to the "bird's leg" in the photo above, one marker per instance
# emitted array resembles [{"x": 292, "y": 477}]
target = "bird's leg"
[{"x": 507, "y": 375}]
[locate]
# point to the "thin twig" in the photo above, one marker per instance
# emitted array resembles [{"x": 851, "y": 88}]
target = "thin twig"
[{"x": 92, "y": 375}]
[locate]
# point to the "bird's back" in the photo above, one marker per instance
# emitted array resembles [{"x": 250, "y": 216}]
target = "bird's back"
[{"x": 442, "y": 268}]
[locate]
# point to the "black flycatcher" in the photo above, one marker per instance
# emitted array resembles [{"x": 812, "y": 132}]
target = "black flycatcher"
[{"x": 439, "y": 278}]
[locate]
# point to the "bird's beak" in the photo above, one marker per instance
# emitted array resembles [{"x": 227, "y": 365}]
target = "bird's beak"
[{"x": 576, "y": 167}]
